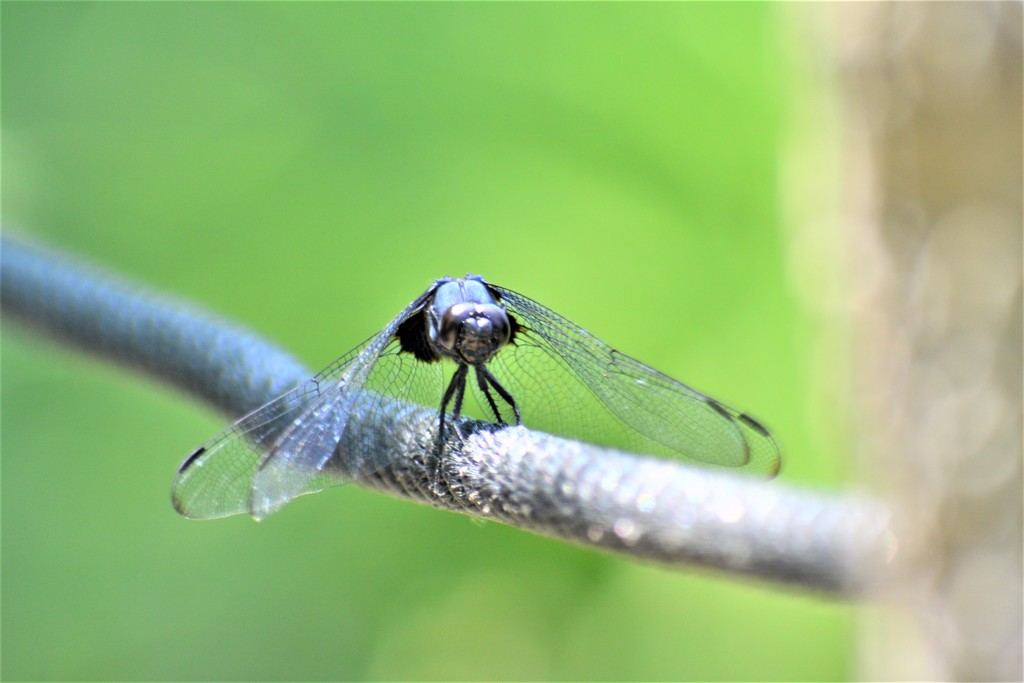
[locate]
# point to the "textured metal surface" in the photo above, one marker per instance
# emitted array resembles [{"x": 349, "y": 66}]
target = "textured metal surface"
[
  {"x": 232, "y": 369},
  {"x": 651, "y": 509}
]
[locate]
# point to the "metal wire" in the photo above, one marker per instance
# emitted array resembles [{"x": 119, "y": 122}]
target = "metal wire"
[{"x": 645, "y": 508}]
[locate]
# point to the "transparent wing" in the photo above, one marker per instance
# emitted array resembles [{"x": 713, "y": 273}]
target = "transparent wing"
[
  {"x": 313, "y": 455},
  {"x": 569, "y": 382},
  {"x": 285, "y": 448},
  {"x": 216, "y": 479}
]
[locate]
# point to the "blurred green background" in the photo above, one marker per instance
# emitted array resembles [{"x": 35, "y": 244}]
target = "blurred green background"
[{"x": 307, "y": 169}]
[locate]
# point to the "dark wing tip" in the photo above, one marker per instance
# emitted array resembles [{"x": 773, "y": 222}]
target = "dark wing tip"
[
  {"x": 754, "y": 424},
  {"x": 718, "y": 408},
  {"x": 191, "y": 459},
  {"x": 179, "y": 507},
  {"x": 774, "y": 462},
  {"x": 771, "y": 459},
  {"x": 764, "y": 457},
  {"x": 176, "y": 501}
]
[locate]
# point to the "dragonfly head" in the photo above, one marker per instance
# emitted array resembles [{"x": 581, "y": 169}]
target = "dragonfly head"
[{"x": 472, "y": 332}]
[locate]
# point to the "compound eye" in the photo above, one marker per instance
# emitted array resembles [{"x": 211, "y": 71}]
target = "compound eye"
[
  {"x": 450, "y": 324},
  {"x": 501, "y": 330}
]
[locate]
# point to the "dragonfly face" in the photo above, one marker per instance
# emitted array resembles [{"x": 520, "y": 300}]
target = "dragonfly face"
[
  {"x": 466, "y": 323},
  {"x": 520, "y": 362}
]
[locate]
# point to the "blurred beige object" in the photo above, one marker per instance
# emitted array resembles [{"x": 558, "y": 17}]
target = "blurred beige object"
[{"x": 930, "y": 241}]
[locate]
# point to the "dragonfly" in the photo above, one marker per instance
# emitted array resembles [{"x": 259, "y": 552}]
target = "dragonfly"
[{"x": 521, "y": 362}]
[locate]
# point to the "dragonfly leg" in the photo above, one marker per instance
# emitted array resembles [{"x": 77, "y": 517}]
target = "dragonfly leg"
[
  {"x": 481, "y": 381},
  {"x": 502, "y": 391},
  {"x": 457, "y": 390},
  {"x": 460, "y": 393}
]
